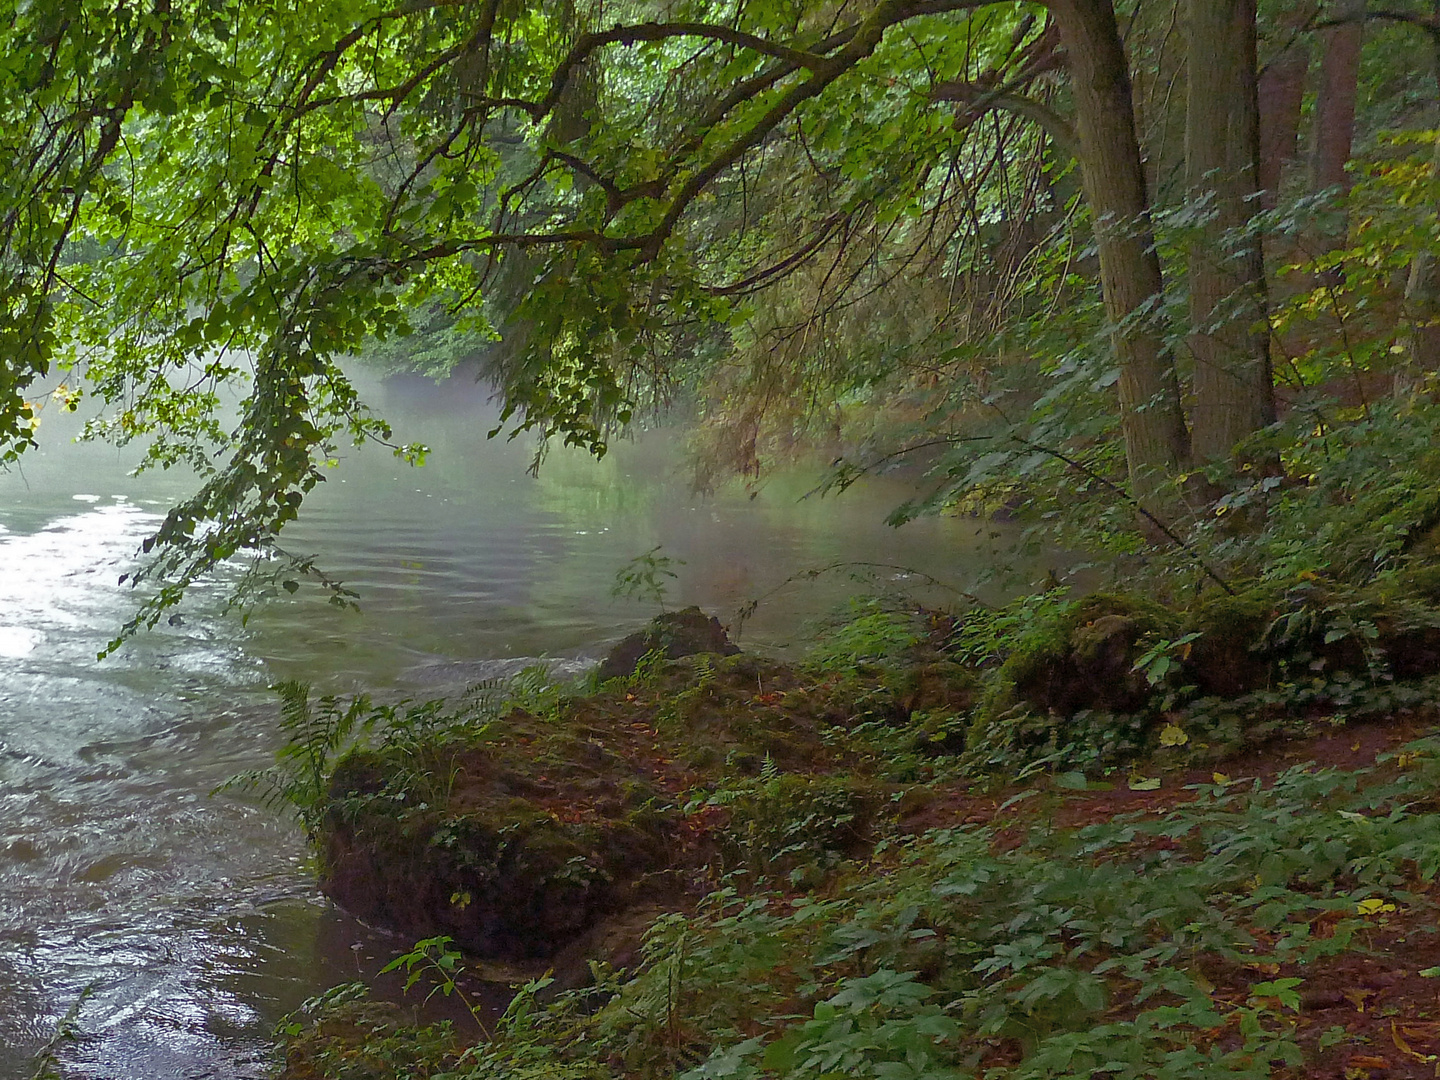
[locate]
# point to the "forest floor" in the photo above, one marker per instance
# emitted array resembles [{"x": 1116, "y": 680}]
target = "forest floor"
[
  {"x": 1389, "y": 1011},
  {"x": 788, "y": 871}
]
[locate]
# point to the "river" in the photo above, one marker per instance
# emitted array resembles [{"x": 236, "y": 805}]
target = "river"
[{"x": 191, "y": 919}]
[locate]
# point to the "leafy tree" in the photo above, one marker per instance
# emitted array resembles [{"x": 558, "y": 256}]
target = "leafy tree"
[{"x": 203, "y": 199}]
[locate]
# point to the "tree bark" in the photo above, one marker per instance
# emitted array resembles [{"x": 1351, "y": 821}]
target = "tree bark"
[
  {"x": 1422, "y": 287},
  {"x": 1335, "y": 97},
  {"x": 1156, "y": 441},
  {"x": 1281, "y": 95},
  {"x": 1422, "y": 313},
  {"x": 1229, "y": 331}
]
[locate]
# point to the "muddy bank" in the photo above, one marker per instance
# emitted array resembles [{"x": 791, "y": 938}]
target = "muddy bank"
[
  {"x": 521, "y": 832},
  {"x": 557, "y": 831}
]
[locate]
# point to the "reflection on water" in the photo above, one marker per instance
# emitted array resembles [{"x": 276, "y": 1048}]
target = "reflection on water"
[{"x": 192, "y": 918}]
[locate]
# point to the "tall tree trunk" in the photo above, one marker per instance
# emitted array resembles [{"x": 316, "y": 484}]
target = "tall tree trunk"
[
  {"x": 1229, "y": 338},
  {"x": 1422, "y": 314},
  {"x": 1335, "y": 97},
  {"x": 1281, "y": 94},
  {"x": 1422, "y": 288},
  {"x": 1156, "y": 442}
]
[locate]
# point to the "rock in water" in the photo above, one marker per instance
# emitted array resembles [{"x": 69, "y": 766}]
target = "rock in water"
[{"x": 678, "y": 633}]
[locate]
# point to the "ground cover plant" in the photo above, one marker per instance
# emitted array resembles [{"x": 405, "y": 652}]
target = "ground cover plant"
[
  {"x": 1239, "y": 926},
  {"x": 862, "y": 878}
]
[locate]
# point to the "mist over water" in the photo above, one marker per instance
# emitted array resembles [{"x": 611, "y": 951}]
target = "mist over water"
[{"x": 192, "y": 919}]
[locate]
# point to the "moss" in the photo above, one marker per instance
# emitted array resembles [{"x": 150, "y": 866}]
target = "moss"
[
  {"x": 507, "y": 865},
  {"x": 1228, "y": 658},
  {"x": 1081, "y": 657},
  {"x": 542, "y": 827}
]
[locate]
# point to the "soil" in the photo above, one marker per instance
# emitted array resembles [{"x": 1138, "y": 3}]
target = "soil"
[
  {"x": 555, "y": 824},
  {"x": 600, "y": 785},
  {"x": 1377, "y": 1016}
]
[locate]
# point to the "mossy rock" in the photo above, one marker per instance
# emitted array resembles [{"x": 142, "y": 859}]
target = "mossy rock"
[
  {"x": 1314, "y": 628},
  {"x": 506, "y": 867},
  {"x": 520, "y": 841},
  {"x": 675, "y": 634},
  {"x": 1081, "y": 658},
  {"x": 1228, "y": 658}
]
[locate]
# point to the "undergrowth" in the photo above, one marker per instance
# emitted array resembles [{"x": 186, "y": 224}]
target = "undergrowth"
[{"x": 1175, "y": 946}]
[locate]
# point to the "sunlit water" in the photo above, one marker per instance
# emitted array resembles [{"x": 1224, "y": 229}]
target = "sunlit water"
[{"x": 190, "y": 919}]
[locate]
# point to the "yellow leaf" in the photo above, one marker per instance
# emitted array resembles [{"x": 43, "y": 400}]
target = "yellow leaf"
[
  {"x": 1373, "y": 906},
  {"x": 1144, "y": 783},
  {"x": 1173, "y": 735},
  {"x": 1404, "y": 1047},
  {"x": 1220, "y": 778}
]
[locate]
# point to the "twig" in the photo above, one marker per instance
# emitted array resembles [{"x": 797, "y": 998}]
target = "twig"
[
  {"x": 1074, "y": 464},
  {"x": 748, "y": 608}
]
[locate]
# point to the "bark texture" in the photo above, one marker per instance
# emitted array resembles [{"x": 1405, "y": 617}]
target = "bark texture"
[
  {"x": 1335, "y": 96},
  {"x": 1280, "y": 96},
  {"x": 1229, "y": 338},
  {"x": 1422, "y": 288},
  {"x": 1422, "y": 313},
  {"x": 1156, "y": 441}
]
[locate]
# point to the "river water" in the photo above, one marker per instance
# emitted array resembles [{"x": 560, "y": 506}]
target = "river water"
[{"x": 191, "y": 920}]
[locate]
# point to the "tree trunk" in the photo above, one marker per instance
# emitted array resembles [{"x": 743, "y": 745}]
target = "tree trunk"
[
  {"x": 1156, "y": 442},
  {"x": 1281, "y": 94},
  {"x": 1422, "y": 287},
  {"x": 1335, "y": 97},
  {"x": 1229, "y": 338},
  {"x": 1422, "y": 296}
]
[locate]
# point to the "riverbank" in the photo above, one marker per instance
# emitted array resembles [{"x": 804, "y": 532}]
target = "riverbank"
[{"x": 1025, "y": 843}]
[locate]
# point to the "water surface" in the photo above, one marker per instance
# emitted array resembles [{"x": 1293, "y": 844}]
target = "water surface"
[{"x": 192, "y": 919}]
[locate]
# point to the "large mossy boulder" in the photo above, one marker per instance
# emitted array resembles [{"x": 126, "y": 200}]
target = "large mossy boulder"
[
  {"x": 1313, "y": 629},
  {"x": 510, "y": 865},
  {"x": 1083, "y": 658},
  {"x": 1229, "y": 657},
  {"x": 675, "y": 634},
  {"x": 527, "y": 835}
]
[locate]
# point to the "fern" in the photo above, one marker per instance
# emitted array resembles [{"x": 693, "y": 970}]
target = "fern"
[{"x": 314, "y": 739}]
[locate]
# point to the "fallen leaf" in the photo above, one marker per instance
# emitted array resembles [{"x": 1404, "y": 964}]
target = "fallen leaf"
[
  {"x": 1368, "y": 1061},
  {"x": 1264, "y": 967},
  {"x": 1173, "y": 735},
  {"x": 1357, "y": 998},
  {"x": 1404, "y": 1047},
  {"x": 1220, "y": 778},
  {"x": 1144, "y": 783}
]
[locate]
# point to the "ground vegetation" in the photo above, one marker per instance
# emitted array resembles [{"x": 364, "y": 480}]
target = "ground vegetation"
[
  {"x": 923, "y": 852},
  {"x": 1156, "y": 281}
]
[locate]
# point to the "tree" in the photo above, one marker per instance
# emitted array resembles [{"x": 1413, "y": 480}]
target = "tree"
[
  {"x": 1229, "y": 331},
  {"x": 1335, "y": 96},
  {"x": 199, "y": 197},
  {"x": 1155, "y": 437},
  {"x": 1281, "y": 96}
]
